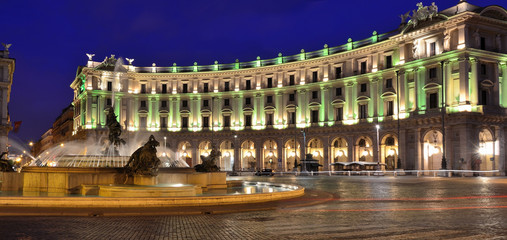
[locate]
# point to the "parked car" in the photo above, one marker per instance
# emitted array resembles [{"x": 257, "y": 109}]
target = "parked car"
[{"x": 265, "y": 172}]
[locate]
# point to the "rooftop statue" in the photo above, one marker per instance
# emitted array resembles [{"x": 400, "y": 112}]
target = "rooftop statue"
[
  {"x": 209, "y": 163},
  {"x": 421, "y": 14},
  {"x": 6, "y": 46},
  {"x": 110, "y": 64},
  {"x": 90, "y": 56},
  {"x": 144, "y": 161}
]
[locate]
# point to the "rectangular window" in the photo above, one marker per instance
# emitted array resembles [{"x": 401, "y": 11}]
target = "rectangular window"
[
  {"x": 483, "y": 43},
  {"x": 390, "y": 108},
  {"x": 109, "y": 86},
  {"x": 292, "y": 80},
  {"x": 163, "y": 104},
  {"x": 270, "y": 82},
  {"x": 108, "y": 102},
  {"x": 338, "y": 72},
  {"x": 292, "y": 97},
  {"x": 226, "y": 102},
  {"x": 185, "y": 88},
  {"x": 315, "y": 76},
  {"x": 484, "y": 97},
  {"x": 142, "y": 122},
  {"x": 389, "y": 83},
  {"x": 339, "y": 114},
  {"x": 433, "y": 48},
  {"x": 143, "y": 104},
  {"x": 248, "y": 101},
  {"x": 269, "y": 99},
  {"x": 248, "y": 85},
  {"x": 315, "y": 94},
  {"x": 184, "y": 122},
  {"x": 205, "y": 87},
  {"x": 363, "y": 67},
  {"x": 163, "y": 122},
  {"x": 389, "y": 61},
  {"x": 226, "y": 86},
  {"x": 363, "y": 111},
  {"x": 205, "y": 122},
  {"x": 164, "y": 88},
  {"x": 363, "y": 87},
  {"x": 269, "y": 119},
  {"x": 248, "y": 120},
  {"x": 227, "y": 121},
  {"x": 483, "y": 69},
  {"x": 433, "y": 73},
  {"x": 315, "y": 116},
  {"x": 143, "y": 88},
  {"x": 292, "y": 119},
  {"x": 433, "y": 100},
  {"x": 205, "y": 103},
  {"x": 338, "y": 91},
  {"x": 184, "y": 103}
]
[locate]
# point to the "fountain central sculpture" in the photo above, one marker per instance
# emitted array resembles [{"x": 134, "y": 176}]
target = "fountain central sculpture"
[
  {"x": 114, "y": 132},
  {"x": 209, "y": 163},
  {"x": 144, "y": 161}
]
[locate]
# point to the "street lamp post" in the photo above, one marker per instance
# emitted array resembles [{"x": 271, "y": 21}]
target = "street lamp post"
[
  {"x": 398, "y": 162},
  {"x": 235, "y": 155},
  {"x": 378, "y": 147},
  {"x": 444, "y": 161},
  {"x": 303, "y": 165}
]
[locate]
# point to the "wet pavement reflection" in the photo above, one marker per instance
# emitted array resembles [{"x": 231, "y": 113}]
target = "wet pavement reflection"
[{"x": 358, "y": 208}]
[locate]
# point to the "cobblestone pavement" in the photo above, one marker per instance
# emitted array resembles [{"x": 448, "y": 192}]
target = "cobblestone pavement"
[{"x": 361, "y": 208}]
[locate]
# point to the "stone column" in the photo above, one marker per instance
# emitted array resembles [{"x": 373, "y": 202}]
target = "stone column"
[
  {"x": 401, "y": 91},
  {"x": 89, "y": 103},
  {"x": 195, "y": 158},
  {"x": 176, "y": 112},
  {"x": 325, "y": 101},
  {"x": 500, "y": 134},
  {"x": 468, "y": 142},
  {"x": 419, "y": 149},
  {"x": 449, "y": 84},
  {"x": 279, "y": 150},
  {"x": 237, "y": 154},
  {"x": 503, "y": 85},
  {"x": 464, "y": 96},
  {"x": 302, "y": 106},
  {"x": 474, "y": 82},
  {"x": 420, "y": 94},
  {"x": 258, "y": 155},
  {"x": 280, "y": 108},
  {"x": 351, "y": 149},
  {"x": 350, "y": 96},
  {"x": 402, "y": 148},
  {"x": 258, "y": 110},
  {"x": 375, "y": 92},
  {"x": 325, "y": 153}
]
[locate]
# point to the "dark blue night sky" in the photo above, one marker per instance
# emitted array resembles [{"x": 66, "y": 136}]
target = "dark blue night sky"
[{"x": 50, "y": 38}]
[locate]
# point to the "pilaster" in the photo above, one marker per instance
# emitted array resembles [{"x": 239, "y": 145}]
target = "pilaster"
[{"x": 464, "y": 81}]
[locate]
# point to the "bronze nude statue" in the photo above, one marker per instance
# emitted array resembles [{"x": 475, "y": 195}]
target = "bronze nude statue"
[{"x": 144, "y": 161}]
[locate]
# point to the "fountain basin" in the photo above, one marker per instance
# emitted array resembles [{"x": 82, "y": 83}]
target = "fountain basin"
[
  {"x": 285, "y": 192},
  {"x": 167, "y": 190},
  {"x": 59, "y": 181}
]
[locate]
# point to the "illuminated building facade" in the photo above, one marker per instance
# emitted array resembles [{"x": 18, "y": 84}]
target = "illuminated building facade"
[
  {"x": 7, "y": 66},
  {"x": 254, "y": 112}
]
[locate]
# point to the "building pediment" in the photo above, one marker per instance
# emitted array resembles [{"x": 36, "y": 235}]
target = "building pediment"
[{"x": 495, "y": 12}]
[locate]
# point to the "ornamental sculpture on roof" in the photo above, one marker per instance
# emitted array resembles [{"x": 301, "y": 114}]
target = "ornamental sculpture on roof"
[{"x": 421, "y": 14}]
